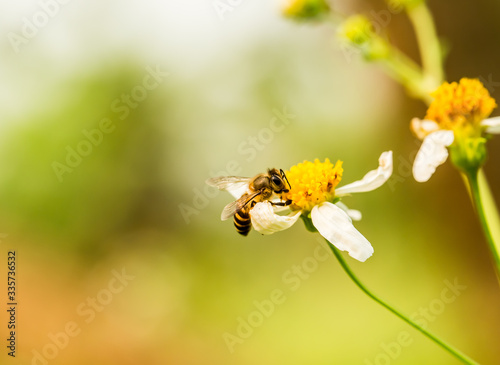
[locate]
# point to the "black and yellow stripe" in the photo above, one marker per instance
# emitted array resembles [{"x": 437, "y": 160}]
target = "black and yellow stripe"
[{"x": 243, "y": 222}]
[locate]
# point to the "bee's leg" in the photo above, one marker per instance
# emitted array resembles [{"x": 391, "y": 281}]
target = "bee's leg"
[{"x": 282, "y": 204}]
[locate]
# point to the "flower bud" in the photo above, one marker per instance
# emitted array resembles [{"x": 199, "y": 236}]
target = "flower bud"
[
  {"x": 306, "y": 10},
  {"x": 358, "y": 31}
]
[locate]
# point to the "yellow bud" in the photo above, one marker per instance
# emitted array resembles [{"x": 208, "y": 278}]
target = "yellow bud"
[
  {"x": 358, "y": 31},
  {"x": 305, "y": 10}
]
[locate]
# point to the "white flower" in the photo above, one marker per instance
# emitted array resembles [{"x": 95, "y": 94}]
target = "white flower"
[
  {"x": 312, "y": 192},
  {"x": 433, "y": 151},
  {"x": 456, "y": 118}
]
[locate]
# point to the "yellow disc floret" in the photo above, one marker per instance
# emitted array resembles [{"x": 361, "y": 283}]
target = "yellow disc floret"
[
  {"x": 312, "y": 183},
  {"x": 461, "y": 106}
]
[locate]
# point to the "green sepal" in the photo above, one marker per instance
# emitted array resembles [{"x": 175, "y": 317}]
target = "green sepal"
[
  {"x": 306, "y": 218},
  {"x": 468, "y": 154}
]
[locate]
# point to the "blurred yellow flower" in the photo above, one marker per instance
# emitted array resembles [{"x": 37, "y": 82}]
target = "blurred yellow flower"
[
  {"x": 455, "y": 119},
  {"x": 461, "y": 106}
]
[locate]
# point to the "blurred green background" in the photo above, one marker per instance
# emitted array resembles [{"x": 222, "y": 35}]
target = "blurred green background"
[{"x": 135, "y": 201}]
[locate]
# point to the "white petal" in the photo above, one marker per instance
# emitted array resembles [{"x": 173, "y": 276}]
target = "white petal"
[
  {"x": 265, "y": 221},
  {"x": 432, "y": 153},
  {"x": 354, "y": 214},
  {"x": 335, "y": 225},
  {"x": 492, "y": 125},
  {"x": 423, "y": 127},
  {"x": 372, "y": 180}
]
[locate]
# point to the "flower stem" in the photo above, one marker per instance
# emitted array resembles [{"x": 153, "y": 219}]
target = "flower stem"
[
  {"x": 406, "y": 72},
  {"x": 428, "y": 43},
  {"x": 492, "y": 215},
  {"x": 462, "y": 357},
  {"x": 359, "y": 37},
  {"x": 487, "y": 213}
]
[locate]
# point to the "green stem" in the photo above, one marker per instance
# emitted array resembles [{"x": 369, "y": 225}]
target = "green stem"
[
  {"x": 407, "y": 73},
  {"x": 490, "y": 208},
  {"x": 465, "y": 179},
  {"x": 462, "y": 357},
  {"x": 374, "y": 48},
  {"x": 488, "y": 218},
  {"x": 428, "y": 43}
]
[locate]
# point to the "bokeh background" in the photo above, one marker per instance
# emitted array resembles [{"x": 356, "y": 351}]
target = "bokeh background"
[{"x": 137, "y": 203}]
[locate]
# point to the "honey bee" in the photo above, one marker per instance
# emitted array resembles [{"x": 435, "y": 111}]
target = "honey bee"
[{"x": 257, "y": 189}]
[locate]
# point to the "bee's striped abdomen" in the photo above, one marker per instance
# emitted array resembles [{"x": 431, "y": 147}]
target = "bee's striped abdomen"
[{"x": 242, "y": 222}]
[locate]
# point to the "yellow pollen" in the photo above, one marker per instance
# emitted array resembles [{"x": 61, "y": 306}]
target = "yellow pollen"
[
  {"x": 312, "y": 183},
  {"x": 461, "y": 105}
]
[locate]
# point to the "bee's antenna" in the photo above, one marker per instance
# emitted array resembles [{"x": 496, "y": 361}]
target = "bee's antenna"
[{"x": 284, "y": 176}]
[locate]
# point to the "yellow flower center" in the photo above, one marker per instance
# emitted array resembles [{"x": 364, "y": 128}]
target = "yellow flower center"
[
  {"x": 312, "y": 183},
  {"x": 461, "y": 106}
]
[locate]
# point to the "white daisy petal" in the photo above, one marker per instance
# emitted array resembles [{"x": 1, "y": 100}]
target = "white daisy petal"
[
  {"x": 265, "y": 221},
  {"x": 335, "y": 225},
  {"x": 354, "y": 214},
  {"x": 423, "y": 127},
  {"x": 492, "y": 125},
  {"x": 432, "y": 153},
  {"x": 372, "y": 180}
]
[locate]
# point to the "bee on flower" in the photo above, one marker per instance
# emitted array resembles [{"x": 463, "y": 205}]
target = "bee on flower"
[
  {"x": 312, "y": 195},
  {"x": 456, "y": 123}
]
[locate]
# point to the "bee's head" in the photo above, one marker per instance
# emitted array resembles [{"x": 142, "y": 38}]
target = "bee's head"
[{"x": 277, "y": 179}]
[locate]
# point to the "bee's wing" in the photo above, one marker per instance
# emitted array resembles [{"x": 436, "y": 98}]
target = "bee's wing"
[
  {"x": 235, "y": 185},
  {"x": 226, "y": 182},
  {"x": 229, "y": 210}
]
